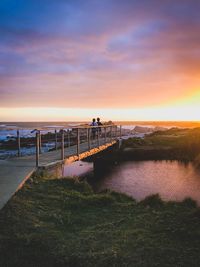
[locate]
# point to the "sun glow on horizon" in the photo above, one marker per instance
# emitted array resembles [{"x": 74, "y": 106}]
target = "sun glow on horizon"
[
  {"x": 177, "y": 112},
  {"x": 192, "y": 99}
]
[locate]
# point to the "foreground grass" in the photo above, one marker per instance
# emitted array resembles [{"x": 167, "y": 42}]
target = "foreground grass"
[{"x": 61, "y": 222}]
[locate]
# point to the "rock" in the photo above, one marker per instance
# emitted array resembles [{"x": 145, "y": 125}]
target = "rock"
[{"x": 141, "y": 129}]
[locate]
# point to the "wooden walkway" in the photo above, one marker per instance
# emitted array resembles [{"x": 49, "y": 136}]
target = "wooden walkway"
[{"x": 15, "y": 171}]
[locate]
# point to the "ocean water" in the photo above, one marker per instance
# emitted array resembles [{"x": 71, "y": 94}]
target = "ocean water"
[{"x": 8, "y": 131}]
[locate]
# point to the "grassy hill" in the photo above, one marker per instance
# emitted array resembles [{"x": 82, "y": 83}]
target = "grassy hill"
[
  {"x": 178, "y": 144},
  {"x": 62, "y": 222}
]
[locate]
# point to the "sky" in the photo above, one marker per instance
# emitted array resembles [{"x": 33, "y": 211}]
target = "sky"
[{"x": 120, "y": 60}]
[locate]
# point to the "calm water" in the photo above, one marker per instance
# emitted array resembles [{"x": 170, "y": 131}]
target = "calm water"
[
  {"x": 171, "y": 179},
  {"x": 77, "y": 168}
]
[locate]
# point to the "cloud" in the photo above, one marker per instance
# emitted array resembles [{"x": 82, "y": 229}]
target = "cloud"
[{"x": 98, "y": 53}]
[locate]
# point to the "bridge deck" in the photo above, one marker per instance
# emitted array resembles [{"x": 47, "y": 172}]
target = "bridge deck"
[{"x": 14, "y": 171}]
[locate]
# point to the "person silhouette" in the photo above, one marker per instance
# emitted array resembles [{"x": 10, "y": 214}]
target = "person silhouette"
[
  {"x": 99, "y": 124},
  {"x": 94, "y": 129}
]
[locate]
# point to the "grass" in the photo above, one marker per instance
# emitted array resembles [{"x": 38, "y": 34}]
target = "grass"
[
  {"x": 172, "y": 144},
  {"x": 62, "y": 222}
]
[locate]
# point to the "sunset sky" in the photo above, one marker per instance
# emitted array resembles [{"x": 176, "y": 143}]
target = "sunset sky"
[{"x": 120, "y": 60}]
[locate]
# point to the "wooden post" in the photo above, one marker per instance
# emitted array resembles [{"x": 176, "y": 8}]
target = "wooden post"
[
  {"x": 40, "y": 142},
  {"x": 116, "y": 132},
  {"x": 62, "y": 145},
  {"x": 37, "y": 148},
  {"x": 89, "y": 140},
  {"x": 105, "y": 134},
  {"x": 56, "y": 140},
  {"x": 98, "y": 133},
  {"x": 68, "y": 135},
  {"x": 120, "y": 132},
  {"x": 87, "y": 136},
  {"x": 111, "y": 133},
  {"x": 78, "y": 142},
  {"x": 18, "y": 144}
]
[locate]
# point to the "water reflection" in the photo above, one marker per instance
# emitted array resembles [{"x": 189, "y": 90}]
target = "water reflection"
[
  {"x": 173, "y": 180},
  {"x": 77, "y": 168}
]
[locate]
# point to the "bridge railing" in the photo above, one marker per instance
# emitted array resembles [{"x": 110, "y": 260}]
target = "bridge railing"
[
  {"x": 39, "y": 141},
  {"x": 90, "y": 136}
]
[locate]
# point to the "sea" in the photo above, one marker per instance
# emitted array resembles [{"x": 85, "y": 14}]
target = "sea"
[{"x": 8, "y": 131}]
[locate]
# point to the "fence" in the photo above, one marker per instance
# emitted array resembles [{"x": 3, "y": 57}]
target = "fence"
[{"x": 40, "y": 141}]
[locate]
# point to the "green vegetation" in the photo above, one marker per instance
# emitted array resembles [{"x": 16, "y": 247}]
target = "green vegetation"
[
  {"x": 61, "y": 222},
  {"x": 173, "y": 144}
]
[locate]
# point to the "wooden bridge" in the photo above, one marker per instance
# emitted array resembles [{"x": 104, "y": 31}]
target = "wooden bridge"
[{"x": 70, "y": 145}]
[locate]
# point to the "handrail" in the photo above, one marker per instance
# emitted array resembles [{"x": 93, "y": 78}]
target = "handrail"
[
  {"x": 56, "y": 128},
  {"x": 42, "y": 140}
]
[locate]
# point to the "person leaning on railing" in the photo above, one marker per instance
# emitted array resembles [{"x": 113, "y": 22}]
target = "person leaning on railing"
[
  {"x": 94, "y": 129},
  {"x": 99, "y": 124}
]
